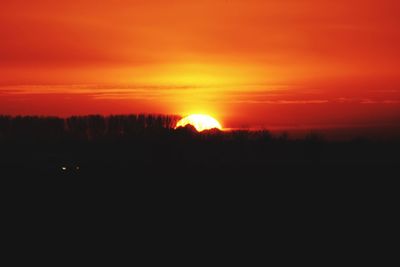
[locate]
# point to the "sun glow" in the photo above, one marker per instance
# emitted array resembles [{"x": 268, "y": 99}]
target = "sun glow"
[{"x": 200, "y": 122}]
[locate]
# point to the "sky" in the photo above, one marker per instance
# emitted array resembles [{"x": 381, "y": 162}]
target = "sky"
[{"x": 253, "y": 63}]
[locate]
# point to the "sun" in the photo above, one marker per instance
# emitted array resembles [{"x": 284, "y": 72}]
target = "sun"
[{"x": 200, "y": 122}]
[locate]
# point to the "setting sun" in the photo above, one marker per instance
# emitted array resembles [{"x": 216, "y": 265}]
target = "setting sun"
[{"x": 200, "y": 122}]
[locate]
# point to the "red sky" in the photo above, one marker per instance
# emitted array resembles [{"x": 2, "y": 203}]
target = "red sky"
[{"x": 277, "y": 63}]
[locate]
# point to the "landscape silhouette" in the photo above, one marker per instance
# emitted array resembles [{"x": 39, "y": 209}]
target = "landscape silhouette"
[{"x": 142, "y": 145}]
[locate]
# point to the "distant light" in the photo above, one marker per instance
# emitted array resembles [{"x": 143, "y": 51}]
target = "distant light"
[
  {"x": 77, "y": 168},
  {"x": 63, "y": 168}
]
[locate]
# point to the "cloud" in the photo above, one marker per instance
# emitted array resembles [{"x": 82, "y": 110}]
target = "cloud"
[
  {"x": 282, "y": 102},
  {"x": 388, "y": 102}
]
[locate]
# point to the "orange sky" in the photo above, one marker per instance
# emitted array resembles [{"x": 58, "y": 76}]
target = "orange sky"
[{"x": 253, "y": 63}]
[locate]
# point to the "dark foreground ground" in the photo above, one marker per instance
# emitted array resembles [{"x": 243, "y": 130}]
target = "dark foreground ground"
[
  {"x": 200, "y": 155},
  {"x": 207, "y": 184},
  {"x": 241, "y": 170},
  {"x": 89, "y": 183}
]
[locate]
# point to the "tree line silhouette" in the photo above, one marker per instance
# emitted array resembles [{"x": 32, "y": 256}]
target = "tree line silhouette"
[
  {"x": 83, "y": 127},
  {"x": 150, "y": 143}
]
